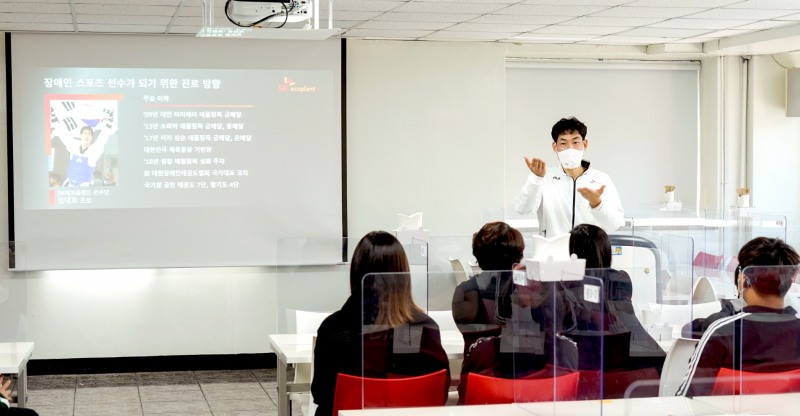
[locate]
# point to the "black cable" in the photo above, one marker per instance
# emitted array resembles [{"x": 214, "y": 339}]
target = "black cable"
[
  {"x": 283, "y": 4},
  {"x": 287, "y": 14}
]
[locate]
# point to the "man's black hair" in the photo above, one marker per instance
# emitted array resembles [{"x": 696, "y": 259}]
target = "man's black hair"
[{"x": 568, "y": 125}]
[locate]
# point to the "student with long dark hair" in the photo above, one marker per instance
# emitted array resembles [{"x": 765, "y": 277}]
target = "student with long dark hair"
[{"x": 379, "y": 332}]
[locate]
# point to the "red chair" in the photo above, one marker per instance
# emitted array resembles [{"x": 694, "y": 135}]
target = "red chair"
[
  {"x": 354, "y": 392},
  {"x": 493, "y": 390},
  {"x": 731, "y": 382},
  {"x": 706, "y": 260},
  {"x": 616, "y": 383}
]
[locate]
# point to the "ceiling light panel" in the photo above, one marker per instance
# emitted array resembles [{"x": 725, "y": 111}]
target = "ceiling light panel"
[
  {"x": 765, "y": 24},
  {"x": 35, "y": 18},
  {"x": 491, "y": 27},
  {"x": 665, "y": 12},
  {"x": 521, "y": 19},
  {"x": 740, "y": 14},
  {"x": 701, "y": 23},
  {"x": 422, "y": 17},
  {"x": 627, "y": 40},
  {"x": 607, "y": 3},
  {"x": 726, "y": 33},
  {"x": 767, "y": 4},
  {"x": 547, "y": 10},
  {"x": 663, "y": 32},
  {"x": 17, "y": 7},
  {"x": 469, "y": 8},
  {"x": 124, "y": 10},
  {"x": 682, "y": 3},
  {"x": 386, "y": 34},
  {"x": 473, "y": 36},
  {"x": 583, "y": 30},
  {"x": 614, "y": 21},
  {"x": 404, "y": 25},
  {"x": 361, "y": 5}
]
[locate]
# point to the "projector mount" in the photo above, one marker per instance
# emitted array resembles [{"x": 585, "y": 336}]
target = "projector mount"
[{"x": 253, "y": 13}]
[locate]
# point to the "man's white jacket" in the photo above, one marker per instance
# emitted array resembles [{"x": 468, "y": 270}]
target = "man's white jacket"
[{"x": 559, "y": 206}]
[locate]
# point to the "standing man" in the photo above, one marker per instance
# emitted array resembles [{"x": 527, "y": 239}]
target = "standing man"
[{"x": 572, "y": 194}]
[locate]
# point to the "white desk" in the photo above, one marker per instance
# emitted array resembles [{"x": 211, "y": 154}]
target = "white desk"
[
  {"x": 296, "y": 348},
  {"x": 650, "y": 406},
  {"x": 14, "y": 358},
  {"x": 756, "y": 404},
  {"x": 481, "y": 410}
]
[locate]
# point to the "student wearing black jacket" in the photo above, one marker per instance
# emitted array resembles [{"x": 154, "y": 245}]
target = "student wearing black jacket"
[{"x": 765, "y": 335}]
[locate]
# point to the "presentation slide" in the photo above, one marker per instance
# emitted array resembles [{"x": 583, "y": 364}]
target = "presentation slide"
[
  {"x": 146, "y": 138},
  {"x": 173, "y": 163}
]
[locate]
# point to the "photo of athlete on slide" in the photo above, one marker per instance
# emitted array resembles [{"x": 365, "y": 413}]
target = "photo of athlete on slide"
[{"x": 84, "y": 127}]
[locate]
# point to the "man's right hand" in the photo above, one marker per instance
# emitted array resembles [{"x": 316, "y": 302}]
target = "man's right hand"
[{"x": 537, "y": 166}]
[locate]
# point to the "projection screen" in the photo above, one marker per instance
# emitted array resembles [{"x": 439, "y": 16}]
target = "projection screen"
[{"x": 155, "y": 151}]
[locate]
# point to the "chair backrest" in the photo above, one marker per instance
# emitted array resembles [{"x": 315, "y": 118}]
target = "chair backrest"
[
  {"x": 354, "y": 392},
  {"x": 307, "y": 322},
  {"x": 730, "y": 381},
  {"x": 616, "y": 383},
  {"x": 675, "y": 366},
  {"x": 703, "y": 291},
  {"x": 615, "y": 348},
  {"x": 483, "y": 389},
  {"x": 459, "y": 270},
  {"x": 680, "y": 314},
  {"x": 733, "y": 264},
  {"x": 706, "y": 260}
]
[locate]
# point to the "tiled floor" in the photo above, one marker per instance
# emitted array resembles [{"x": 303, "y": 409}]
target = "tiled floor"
[{"x": 196, "y": 393}]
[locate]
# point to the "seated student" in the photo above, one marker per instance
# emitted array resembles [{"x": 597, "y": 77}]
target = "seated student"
[
  {"x": 765, "y": 335},
  {"x": 730, "y": 307},
  {"x": 497, "y": 247},
  {"x": 590, "y": 242},
  {"x": 397, "y": 337},
  {"x": 525, "y": 346}
]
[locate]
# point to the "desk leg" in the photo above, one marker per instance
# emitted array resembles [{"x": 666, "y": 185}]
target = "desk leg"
[
  {"x": 283, "y": 395},
  {"x": 22, "y": 388}
]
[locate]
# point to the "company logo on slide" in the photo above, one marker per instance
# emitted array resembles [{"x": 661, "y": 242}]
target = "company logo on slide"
[{"x": 288, "y": 85}]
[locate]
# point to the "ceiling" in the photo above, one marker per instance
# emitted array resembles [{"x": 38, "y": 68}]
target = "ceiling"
[{"x": 674, "y": 23}]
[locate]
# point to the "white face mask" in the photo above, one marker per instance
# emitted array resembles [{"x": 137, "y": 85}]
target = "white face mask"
[{"x": 570, "y": 158}]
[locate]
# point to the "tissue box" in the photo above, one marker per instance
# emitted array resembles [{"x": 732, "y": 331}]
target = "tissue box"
[{"x": 555, "y": 270}]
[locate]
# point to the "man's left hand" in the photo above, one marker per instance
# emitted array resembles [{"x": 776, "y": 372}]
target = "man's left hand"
[{"x": 593, "y": 196}]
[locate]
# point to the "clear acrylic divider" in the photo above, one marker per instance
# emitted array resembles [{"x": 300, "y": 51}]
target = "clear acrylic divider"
[
  {"x": 451, "y": 254},
  {"x": 579, "y": 340},
  {"x": 527, "y": 224},
  {"x": 305, "y": 263},
  {"x": 673, "y": 229},
  {"x": 749, "y": 363},
  {"x": 403, "y": 362},
  {"x": 323, "y": 264},
  {"x": 504, "y": 323},
  {"x": 13, "y": 292},
  {"x": 664, "y": 287}
]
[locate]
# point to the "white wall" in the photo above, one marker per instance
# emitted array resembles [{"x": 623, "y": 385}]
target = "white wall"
[
  {"x": 775, "y": 145},
  {"x": 425, "y": 133},
  {"x": 642, "y": 124}
]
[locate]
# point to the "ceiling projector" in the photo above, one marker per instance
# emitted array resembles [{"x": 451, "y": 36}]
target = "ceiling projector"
[{"x": 270, "y": 11}]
